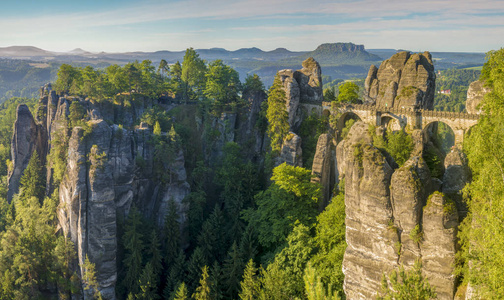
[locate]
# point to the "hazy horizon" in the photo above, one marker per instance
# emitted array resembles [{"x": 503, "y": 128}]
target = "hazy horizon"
[{"x": 298, "y": 25}]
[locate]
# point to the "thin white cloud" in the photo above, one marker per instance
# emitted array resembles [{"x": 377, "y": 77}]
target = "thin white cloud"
[{"x": 361, "y": 20}]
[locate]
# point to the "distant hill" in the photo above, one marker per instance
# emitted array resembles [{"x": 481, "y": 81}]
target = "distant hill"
[
  {"x": 23, "y": 51},
  {"x": 340, "y": 54}
]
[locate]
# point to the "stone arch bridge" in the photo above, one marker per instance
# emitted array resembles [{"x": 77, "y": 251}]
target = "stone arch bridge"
[{"x": 460, "y": 123}]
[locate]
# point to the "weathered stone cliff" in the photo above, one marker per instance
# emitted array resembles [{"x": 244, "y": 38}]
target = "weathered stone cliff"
[
  {"x": 28, "y": 137},
  {"x": 475, "y": 94},
  {"x": 108, "y": 169},
  {"x": 404, "y": 81},
  {"x": 391, "y": 222}
]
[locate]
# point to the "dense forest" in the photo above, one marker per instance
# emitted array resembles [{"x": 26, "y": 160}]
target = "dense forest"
[{"x": 254, "y": 229}]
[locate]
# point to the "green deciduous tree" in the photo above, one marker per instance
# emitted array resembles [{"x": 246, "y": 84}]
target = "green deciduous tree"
[
  {"x": 482, "y": 234},
  {"x": 348, "y": 92},
  {"x": 192, "y": 75},
  {"x": 292, "y": 197}
]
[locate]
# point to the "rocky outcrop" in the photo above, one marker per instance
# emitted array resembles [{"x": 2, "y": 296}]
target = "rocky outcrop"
[
  {"x": 475, "y": 94},
  {"x": 322, "y": 168},
  {"x": 372, "y": 243},
  {"x": 439, "y": 245},
  {"x": 292, "y": 95},
  {"x": 28, "y": 137},
  {"x": 404, "y": 81},
  {"x": 391, "y": 221},
  {"x": 309, "y": 79},
  {"x": 410, "y": 188},
  {"x": 107, "y": 169},
  {"x": 291, "y": 152},
  {"x": 457, "y": 174},
  {"x": 303, "y": 85}
]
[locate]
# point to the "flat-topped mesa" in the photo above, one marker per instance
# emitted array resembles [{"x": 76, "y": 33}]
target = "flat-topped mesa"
[{"x": 403, "y": 81}]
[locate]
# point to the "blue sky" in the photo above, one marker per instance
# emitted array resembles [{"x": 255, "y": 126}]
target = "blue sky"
[{"x": 150, "y": 25}]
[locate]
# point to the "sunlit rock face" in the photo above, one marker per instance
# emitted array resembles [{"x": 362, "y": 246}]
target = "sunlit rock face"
[{"x": 403, "y": 81}]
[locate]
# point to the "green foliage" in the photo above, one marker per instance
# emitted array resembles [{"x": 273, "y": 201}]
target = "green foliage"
[
  {"x": 32, "y": 183},
  {"x": 89, "y": 278},
  {"x": 348, "y": 93},
  {"x": 310, "y": 130},
  {"x": 277, "y": 115},
  {"x": 283, "y": 278},
  {"x": 314, "y": 288},
  {"x": 203, "y": 290},
  {"x": 57, "y": 158},
  {"x": 133, "y": 245},
  {"x": 398, "y": 144},
  {"x": 458, "y": 81},
  {"x": 407, "y": 285},
  {"x": 222, "y": 86},
  {"x": 329, "y": 94},
  {"x": 157, "y": 129},
  {"x": 252, "y": 84},
  {"x": 291, "y": 197},
  {"x": 249, "y": 284},
  {"x": 233, "y": 271},
  {"x": 481, "y": 234},
  {"x": 192, "y": 75},
  {"x": 182, "y": 292},
  {"x": 416, "y": 234},
  {"x": 434, "y": 163},
  {"x": 331, "y": 245}
]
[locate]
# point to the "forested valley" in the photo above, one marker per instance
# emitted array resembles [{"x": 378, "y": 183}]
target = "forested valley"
[{"x": 226, "y": 203}]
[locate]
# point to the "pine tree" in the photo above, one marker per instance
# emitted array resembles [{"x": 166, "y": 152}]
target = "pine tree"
[
  {"x": 248, "y": 244},
  {"x": 216, "y": 282},
  {"x": 212, "y": 236},
  {"x": 171, "y": 234},
  {"x": 233, "y": 271},
  {"x": 175, "y": 274},
  {"x": 155, "y": 253},
  {"x": 148, "y": 283},
  {"x": 89, "y": 278},
  {"x": 133, "y": 246},
  {"x": 32, "y": 181},
  {"x": 157, "y": 129},
  {"x": 182, "y": 292},
  {"x": 196, "y": 262},
  {"x": 203, "y": 290},
  {"x": 277, "y": 114},
  {"x": 250, "y": 284}
]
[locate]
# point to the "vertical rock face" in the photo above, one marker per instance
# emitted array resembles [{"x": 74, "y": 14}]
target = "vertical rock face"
[
  {"x": 371, "y": 241},
  {"x": 309, "y": 79},
  {"x": 28, "y": 137},
  {"x": 303, "y": 85},
  {"x": 291, "y": 152},
  {"x": 475, "y": 94},
  {"x": 102, "y": 180},
  {"x": 457, "y": 174},
  {"x": 391, "y": 222},
  {"x": 292, "y": 94},
  {"x": 322, "y": 166},
  {"x": 404, "y": 80},
  {"x": 248, "y": 133},
  {"x": 440, "y": 223},
  {"x": 409, "y": 191}
]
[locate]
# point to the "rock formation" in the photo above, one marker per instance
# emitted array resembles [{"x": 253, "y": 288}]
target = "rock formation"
[
  {"x": 440, "y": 223},
  {"x": 475, "y": 94},
  {"x": 28, "y": 137},
  {"x": 102, "y": 179},
  {"x": 291, "y": 152},
  {"x": 303, "y": 85},
  {"x": 455, "y": 177},
  {"x": 390, "y": 221},
  {"x": 403, "y": 81},
  {"x": 323, "y": 167},
  {"x": 372, "y": 243}
]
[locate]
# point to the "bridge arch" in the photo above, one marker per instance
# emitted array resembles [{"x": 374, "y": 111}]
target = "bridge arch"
[
  {"x": 344, "y": 118},
  {"x": 441, "y": 134}
]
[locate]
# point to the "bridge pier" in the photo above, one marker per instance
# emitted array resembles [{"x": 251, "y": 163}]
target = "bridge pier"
[{"x": 459, "y": 137}]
